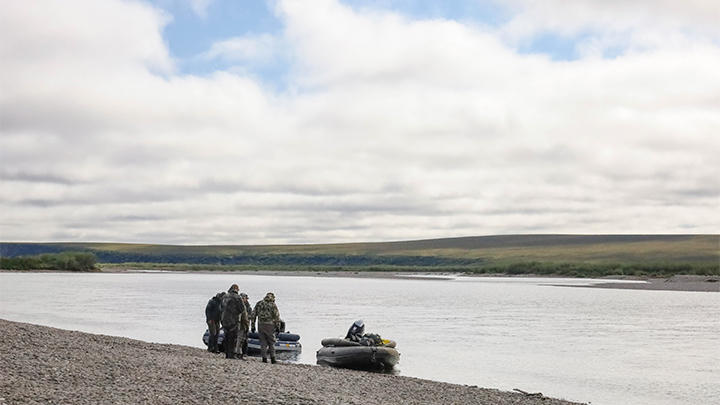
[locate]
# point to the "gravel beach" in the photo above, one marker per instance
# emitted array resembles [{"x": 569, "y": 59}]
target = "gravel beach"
[{"x": 43, "y": 365}]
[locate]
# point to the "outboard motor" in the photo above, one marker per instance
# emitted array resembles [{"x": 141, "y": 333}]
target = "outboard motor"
[{"x": 356, "y": 331}]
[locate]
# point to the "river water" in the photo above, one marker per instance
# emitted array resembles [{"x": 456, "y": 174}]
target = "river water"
[{"x": 602, "y": 346}]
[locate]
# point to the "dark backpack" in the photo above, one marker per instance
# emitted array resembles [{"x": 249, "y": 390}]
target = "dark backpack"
[{"x": 371, "y": 339}]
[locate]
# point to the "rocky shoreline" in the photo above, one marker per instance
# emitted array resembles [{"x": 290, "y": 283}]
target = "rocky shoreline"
[{"x": 44, "y": 365}]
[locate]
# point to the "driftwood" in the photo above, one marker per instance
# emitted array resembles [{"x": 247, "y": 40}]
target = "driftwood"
[{"x": 535, "y": 394}]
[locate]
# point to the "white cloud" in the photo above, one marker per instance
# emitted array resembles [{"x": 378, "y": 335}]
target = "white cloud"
[
  {"x": 391, "y": 129},
  {"x": 573, "y": 16},
  {"x": 199, "y": 6},
  {"x": 635, "y": 24},
  {"x": 258, "y": 49}
]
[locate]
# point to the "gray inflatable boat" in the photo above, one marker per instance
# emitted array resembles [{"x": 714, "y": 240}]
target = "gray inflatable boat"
[{"x": 343, "y": 353}]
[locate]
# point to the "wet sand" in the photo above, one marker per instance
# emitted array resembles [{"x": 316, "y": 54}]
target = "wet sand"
[
  {"x": 43, "y": 365},
  {"x": 674, "y": 283}
]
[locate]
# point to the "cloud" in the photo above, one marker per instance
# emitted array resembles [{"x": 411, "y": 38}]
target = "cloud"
[
  {"x": 602, "y": 26},
  {"x": 200, "y": 6},
  {"x": 573, "y": 16},
  {"x": 257, "y": 49},
  {"x": 390, "y": 128}
]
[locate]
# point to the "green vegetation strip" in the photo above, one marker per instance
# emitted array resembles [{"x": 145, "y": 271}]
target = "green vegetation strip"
[
  {"x": 544, "y": 255},
  {"x": 580, "y": 270},
  {"x": 66, "y": 261}
]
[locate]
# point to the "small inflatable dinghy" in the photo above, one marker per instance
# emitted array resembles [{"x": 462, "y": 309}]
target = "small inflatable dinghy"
[
  {"x": 285, "y": 342},
  {"x": 344, "y": 353}
]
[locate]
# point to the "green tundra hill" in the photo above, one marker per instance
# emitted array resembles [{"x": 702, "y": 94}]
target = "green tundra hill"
[{"x": 581, "y": 255}]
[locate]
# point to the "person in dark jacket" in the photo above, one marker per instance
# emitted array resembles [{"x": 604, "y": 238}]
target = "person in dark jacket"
[
  {"x": 233, "y": 314},
  {"x": 213, "y": 313},
  {"x": 242, "y": 345}
]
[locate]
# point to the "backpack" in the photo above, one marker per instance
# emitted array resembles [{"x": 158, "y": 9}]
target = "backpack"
[{"x": 371, "y": 339}]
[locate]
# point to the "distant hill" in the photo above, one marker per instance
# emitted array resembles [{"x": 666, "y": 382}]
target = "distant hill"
[{"x": 465, "y": 252}]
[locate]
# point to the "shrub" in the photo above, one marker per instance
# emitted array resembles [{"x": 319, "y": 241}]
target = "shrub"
[{"x": 614, "y": 272}]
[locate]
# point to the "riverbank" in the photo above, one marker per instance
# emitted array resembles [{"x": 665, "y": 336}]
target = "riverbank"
[
  {"x": 674, "y": 283},
  {"x": 43, "y": 365}
]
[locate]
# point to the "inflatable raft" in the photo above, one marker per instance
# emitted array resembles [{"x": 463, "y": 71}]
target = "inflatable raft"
[
  {"x": 285, "y": 342},
  {"x": 343, "y": 353}
]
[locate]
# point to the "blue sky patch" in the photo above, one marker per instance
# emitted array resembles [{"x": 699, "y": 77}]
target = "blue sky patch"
[
  {"x": 475, "y": 11},
  {"x": 559, "y": 48},
  {"x": 191, "y": 34}
]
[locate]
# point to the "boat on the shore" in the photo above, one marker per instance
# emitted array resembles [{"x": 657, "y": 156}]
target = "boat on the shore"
[
  {"x": 344, "y": 353},
  {"x": 285, "y": 342}
]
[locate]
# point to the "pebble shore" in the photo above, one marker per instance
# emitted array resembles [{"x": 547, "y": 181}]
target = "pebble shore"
[{"x": 44, "y": 365}]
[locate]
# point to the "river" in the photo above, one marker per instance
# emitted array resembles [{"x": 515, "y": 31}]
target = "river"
[{"x": 602, "y": 346}]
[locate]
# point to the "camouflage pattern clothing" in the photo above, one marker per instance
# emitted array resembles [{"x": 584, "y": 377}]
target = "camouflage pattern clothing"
[
  {"x": 233, "y": 314},
  {"x": 233, "y": 310},
  {"x": 248, "y": 309},
  {"x": 266, "y": 312},
  {"x": 268, "y": 321},
  {"x": 244, "y": 329}
]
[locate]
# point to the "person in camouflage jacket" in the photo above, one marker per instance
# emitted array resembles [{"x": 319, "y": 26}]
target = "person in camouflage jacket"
[
  {"x": 268, "y": 316},
  {"x": 233, "y": 314},
  {"x": 242, "y": 340}
]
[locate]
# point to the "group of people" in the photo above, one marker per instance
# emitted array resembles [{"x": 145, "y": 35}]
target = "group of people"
[{"x": 232, "y": 311}]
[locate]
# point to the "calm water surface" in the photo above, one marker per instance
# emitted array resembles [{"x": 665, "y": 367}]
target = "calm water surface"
[{"x": 600, "y": 346}]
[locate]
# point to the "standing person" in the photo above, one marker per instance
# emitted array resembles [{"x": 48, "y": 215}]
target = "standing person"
[
  {"x": 233, "y": 313},
  {"x": 268, "y": 321},
  {"x": 242, "y": 344},
  {"x": 213, "y": 313}
]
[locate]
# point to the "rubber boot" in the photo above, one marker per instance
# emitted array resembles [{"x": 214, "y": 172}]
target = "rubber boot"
[
  {"x": 264, "y": 359},
  {"x": 272, "y": 360},
  {"x": 215, "y": 345}
]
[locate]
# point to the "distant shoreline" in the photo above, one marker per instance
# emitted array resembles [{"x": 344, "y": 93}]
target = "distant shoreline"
[
  {"x": 674, "y": 283},
  {"x": 574, "y": 256},
  {"x": 689, "y": 283}
]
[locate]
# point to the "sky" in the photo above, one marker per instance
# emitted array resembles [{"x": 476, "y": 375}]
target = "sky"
[{"x": 325, "y": 121}]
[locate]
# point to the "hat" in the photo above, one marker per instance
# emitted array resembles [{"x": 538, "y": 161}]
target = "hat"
[
  {"x": 243, "y": 295},
  {"x": 234, "y": 287}
]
